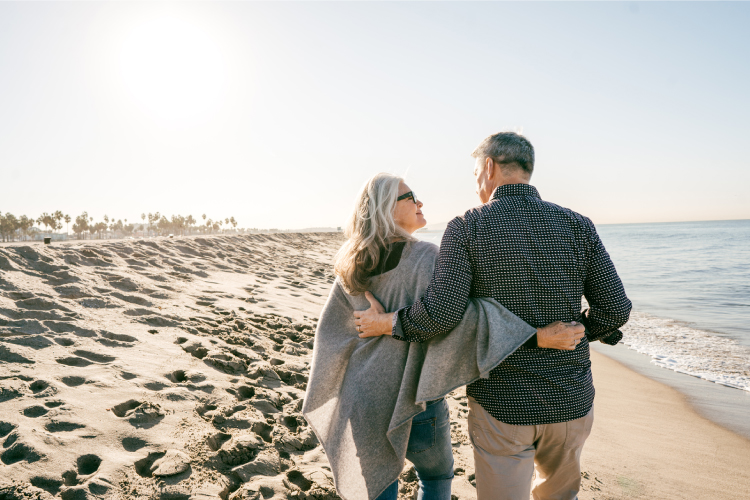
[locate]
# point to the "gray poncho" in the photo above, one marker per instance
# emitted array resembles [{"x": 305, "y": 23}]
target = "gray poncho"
[{"x": 363, "y": 393}]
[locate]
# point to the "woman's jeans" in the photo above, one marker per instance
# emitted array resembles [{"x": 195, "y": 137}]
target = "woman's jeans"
[{"x": 431, "y": 453}]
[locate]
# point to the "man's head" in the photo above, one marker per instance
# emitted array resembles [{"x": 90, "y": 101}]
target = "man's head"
[{"x": 503, "y": 158}]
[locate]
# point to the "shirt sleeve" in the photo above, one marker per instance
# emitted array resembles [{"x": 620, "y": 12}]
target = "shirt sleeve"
[
  {"x": 444, "y": 302},
  {"x": 609, "y": 307}
]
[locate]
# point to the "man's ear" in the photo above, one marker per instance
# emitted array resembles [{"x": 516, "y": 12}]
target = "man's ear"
[{"x": 489, "y": 165}]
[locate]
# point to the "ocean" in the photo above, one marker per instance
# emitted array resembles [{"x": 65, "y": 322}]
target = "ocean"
[{"x": 690, "y": 287}]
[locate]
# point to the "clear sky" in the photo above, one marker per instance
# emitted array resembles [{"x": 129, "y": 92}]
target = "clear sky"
[{"x": 276, "y": 113}]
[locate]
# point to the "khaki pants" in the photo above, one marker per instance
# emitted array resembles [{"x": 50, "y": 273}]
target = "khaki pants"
[{"x": 505, "y": 456}]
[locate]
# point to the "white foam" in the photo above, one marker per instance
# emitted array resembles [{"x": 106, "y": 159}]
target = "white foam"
[{"x": 686, "y": 350}]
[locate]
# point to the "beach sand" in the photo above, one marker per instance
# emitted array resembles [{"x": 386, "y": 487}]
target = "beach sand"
[
  {"x": 647, "y": 442},
  {"x": 176, "y": 369}
]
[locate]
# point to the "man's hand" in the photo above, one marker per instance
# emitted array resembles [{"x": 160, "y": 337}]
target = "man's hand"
[
  {"x": 374, "y": 321},
  {"x": 559, "y": 335}
]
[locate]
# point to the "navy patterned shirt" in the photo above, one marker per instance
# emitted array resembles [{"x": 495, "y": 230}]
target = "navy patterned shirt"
[{"x": 537, "y": 259}]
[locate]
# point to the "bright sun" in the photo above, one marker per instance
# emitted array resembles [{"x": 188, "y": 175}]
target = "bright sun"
[{"x": 174, "y": 71}]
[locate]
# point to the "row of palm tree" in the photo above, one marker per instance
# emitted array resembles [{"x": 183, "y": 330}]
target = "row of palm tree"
[
  {"x": 178, "y": 224},
  {"x": 21, "y": 228}
]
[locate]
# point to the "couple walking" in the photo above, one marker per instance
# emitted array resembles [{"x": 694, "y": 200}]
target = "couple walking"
[{"x": 496, "y": 308}]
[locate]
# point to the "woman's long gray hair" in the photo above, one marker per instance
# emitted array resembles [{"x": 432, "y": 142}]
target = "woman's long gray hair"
[{"x": 370, "y": 228}]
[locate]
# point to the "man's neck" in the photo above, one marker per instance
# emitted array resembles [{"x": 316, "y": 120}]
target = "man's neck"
[{"x": 508, "y": 180}]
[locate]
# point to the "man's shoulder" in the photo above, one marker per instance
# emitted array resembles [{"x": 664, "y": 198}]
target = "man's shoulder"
[
  {"x": 500, "y": 207},
  {"x": 567, "y": 212}
]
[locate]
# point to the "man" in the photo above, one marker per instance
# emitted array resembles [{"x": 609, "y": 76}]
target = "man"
[{"x": 538, "y": 259}]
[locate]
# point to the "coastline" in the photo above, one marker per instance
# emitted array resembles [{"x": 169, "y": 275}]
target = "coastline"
[
  {"x": 649, "y": 442},
  {"x": 121, "y": 355},
  {"x": 725, "y": 406}
]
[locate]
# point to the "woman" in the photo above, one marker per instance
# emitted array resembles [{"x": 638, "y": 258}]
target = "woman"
[{"x": 374, "y": 402}]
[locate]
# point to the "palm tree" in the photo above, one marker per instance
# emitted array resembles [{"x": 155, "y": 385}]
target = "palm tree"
[
  {"x": 190, "y": 223},
  {"x": 44, "y": 219},
  {"x": 67, "y": 221},
  {"x": 58, "y": 217}
]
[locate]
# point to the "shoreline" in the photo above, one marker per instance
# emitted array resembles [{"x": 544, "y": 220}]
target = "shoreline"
[
  {"x": 196, "y": 351},
  {"x": 725, "y": 406},
  {"x": 649, "y": 442}
]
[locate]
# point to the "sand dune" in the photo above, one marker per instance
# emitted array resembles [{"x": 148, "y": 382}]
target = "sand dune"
[{"x": 170, "y": 368}]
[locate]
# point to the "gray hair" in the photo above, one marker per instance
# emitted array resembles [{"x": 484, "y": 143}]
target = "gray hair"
[
  {"x": 370, "y": 228},
  {"x": 507, "y": 148}
]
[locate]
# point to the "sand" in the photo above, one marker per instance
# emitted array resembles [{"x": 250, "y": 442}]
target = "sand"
[
  {"x": 647, "y": 442},
  {"x": 176, "y": 369}
]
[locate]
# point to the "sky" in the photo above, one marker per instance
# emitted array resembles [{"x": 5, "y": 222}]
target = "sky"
[{"x": 277, "y": 113}]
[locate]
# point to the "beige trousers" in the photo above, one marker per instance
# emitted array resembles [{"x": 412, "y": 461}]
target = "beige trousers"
[{"x": 505, "y": 456}]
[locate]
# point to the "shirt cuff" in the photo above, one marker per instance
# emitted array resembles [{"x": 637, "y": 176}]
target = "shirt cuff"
[
  {"x": 612, "y": 339},
  {"x": 397, "y": 331}
]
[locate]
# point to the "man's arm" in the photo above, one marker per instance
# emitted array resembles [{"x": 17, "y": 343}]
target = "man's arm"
[
  {"x": 609, "y": 307},
  {"x": 444, "y": 302},
  {"x": 443, "y": 305},
  {"x": 440, "y": 308}
]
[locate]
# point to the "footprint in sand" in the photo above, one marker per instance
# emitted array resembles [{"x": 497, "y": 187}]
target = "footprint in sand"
[
  {"x": 35, "y": 411},
  {"x": 162, "y": 464},
  {"x": 72, "y": 380},
  {"x": 132, "y": 444},
  {"x": 242, "y": 392},
  {"x": 61, "y": 327},
  {"x": 94, "y": 356},
  {"x": 18, "y": 452},
  {"x": 42, "y": 389},
  {"x": 9, "y": 356},
  {"x": 110, "y": 339},
  {"x": 48, "y": 484},
  {"x": 85, "y": 467},
  {"x": 58, "y": 426},
  {"x": 139, "y": 414},
  {"x": 88, "y": 464},
  {"x": 132, "y": 299},
  {"x": 73, "y": 361}
]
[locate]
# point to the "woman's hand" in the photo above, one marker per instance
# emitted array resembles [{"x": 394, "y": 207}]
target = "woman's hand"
[
  {"x": 559, "y": 335},
  {"x": 374, "y": 321}
]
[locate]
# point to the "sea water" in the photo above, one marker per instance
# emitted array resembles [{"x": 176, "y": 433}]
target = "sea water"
[{"x": 690, "y": 287}]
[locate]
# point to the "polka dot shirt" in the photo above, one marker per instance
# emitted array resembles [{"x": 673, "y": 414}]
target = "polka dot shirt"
[{"x": 537, "y": 259}]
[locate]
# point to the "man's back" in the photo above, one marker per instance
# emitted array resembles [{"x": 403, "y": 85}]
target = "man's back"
[{"x": 538, "y": 260}]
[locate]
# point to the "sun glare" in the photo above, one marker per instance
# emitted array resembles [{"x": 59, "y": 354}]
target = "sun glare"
[{"x": 174, "y": 71}]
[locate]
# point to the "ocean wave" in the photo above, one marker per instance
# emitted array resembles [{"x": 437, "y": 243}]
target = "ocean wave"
[{"x": 699, "y": 353}]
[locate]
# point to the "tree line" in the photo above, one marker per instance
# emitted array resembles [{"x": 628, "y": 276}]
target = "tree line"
[{"x": 23, "y": 228}]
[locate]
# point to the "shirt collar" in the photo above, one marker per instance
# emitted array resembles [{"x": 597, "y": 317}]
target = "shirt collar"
[{"x": 515, "y": 190}]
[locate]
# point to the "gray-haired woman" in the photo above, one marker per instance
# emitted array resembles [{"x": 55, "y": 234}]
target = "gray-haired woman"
[{"x": 375, "y": 402}]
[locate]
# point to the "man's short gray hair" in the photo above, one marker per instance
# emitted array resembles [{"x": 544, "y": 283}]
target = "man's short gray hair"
[{"x": 507, "y": 148}]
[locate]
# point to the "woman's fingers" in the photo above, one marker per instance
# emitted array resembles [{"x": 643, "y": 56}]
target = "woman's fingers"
[{"x": 374, "y": 302}]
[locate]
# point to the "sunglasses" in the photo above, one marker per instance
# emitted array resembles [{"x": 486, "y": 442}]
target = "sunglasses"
[{"x": 409, "y": 195}]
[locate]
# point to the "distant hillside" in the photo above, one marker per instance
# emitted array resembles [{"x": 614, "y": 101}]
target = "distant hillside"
[{"x": 438, "y": 226}]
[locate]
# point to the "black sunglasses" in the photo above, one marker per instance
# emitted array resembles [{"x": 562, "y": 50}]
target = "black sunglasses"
[{"x": 408, "y": 195}]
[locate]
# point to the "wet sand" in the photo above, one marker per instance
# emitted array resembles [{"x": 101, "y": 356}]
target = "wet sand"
[{"x": 648, "y": 442}]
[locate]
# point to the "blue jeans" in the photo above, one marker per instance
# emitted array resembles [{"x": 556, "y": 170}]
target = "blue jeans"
[{"x": 431, "y": 453}]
